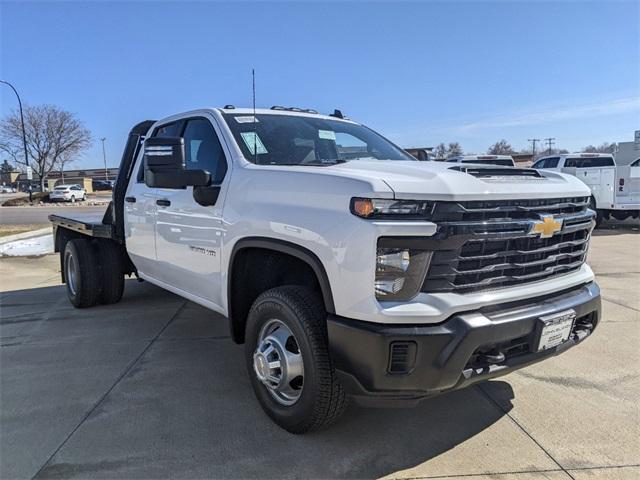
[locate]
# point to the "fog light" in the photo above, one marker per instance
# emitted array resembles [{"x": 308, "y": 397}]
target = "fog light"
[{"x": 389, "y": 286}]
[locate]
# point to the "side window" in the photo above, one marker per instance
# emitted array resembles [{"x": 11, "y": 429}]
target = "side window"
[
  {"x": 168, "y": 130},
  {"x": 636, "y": 163},
  {"x": 538, "y": 164},
  {"x": 571, "y": 162},
  {"x": 203, "y": 150},
  {"x": 551, "y": 162}
]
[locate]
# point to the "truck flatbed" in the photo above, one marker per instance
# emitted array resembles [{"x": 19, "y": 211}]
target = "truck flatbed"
[{"x": 90, "y": 224}]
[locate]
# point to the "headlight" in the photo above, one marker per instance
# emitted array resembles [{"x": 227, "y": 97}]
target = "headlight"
[
  {"x": 399, "y": 272},
  {"x": 387, "y": 208}
]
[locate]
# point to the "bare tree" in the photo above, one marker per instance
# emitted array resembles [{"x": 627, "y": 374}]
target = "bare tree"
[
  {"x": 440, "y": 151},
  {"x": 454, "y": 149},
  {"x": 501, "y": 147},
  {"x": 605, "y": 147},
  {"x": 53, "y": 136}
]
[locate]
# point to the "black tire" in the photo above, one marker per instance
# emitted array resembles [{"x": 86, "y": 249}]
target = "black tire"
[
  {"x": 111, "y": 272},
  {"x": 322, "y": 399},
  {"x": 599, "y": 215},
  {"x": 83, "y": 283}
]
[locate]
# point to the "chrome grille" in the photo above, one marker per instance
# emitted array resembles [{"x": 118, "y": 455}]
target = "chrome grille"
[{"x": 488, "y": 244}]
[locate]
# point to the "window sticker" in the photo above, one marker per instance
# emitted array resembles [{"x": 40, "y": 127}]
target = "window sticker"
[
  {"x": 327, "y": 134},
  {"x": 250, "y": 119},
  {"x": 253, "y": 143}
]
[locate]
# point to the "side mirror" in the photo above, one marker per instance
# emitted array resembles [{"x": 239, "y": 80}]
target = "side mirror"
[{"x": 164, "y": 165}]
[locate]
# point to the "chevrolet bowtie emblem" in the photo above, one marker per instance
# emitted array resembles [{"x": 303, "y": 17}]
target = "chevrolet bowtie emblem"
[{"x": 546, "y": 226}]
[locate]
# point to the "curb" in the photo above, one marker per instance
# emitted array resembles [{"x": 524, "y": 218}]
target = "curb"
[{"x": 21, "y": 236}]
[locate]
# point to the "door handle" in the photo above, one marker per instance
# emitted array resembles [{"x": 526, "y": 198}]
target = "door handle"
[
  {"x": 130, "y": 199},
  {"x": 163, "y": 202}
]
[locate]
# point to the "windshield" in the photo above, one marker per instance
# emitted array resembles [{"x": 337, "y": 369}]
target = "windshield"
[
  {"x": 504, "y": 162},
  {"x": 302, "y": 140}
]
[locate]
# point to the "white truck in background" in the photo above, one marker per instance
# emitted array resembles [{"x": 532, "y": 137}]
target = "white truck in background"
[{"x": 615, "y": 190}]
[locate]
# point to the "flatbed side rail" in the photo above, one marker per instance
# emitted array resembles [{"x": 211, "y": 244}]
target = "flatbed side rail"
[{"x": 90, "y": 229}]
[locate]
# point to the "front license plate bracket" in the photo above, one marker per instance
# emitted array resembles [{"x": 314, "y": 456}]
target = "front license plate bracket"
[{"x": 554, "y": 329}]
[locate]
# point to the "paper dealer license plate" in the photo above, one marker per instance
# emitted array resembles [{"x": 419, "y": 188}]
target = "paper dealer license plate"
[{"x": 556, "y": 329}]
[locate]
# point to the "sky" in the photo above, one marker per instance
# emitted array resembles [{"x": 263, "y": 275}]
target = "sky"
[{"x": 420, "y": 73}]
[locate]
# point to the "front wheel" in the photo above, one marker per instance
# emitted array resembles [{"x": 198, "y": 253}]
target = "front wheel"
[{"x": 288, "y": 360}]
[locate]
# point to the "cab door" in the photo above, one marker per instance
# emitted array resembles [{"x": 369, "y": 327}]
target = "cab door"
[
  {"x": 140, "y": 221},
  {"x": 189, "y": 227}
]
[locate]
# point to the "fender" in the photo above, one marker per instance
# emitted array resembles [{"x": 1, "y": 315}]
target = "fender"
[{"x": 289, "y": 248}]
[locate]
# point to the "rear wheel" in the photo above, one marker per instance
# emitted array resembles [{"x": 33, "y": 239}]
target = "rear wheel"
[
  {"x": 111, "y": 272},
  {"x": 73, "y": 199},
  {"x": 81, "y": 273},
  {"x": 288, "y": 361}
]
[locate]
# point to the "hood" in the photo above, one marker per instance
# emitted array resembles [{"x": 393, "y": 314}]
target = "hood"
[{"x": 448, "y": 181}]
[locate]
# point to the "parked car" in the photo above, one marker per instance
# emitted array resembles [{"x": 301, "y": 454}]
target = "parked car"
[
  {"x": 102, "y": 185},
  {"x": 615, "y": 189},
  {"x": 35, "y": 187},
  {"x": 346, "y": 266},
  {"x": 502, "y": 160},
  {"x": 68, "y": 193},
  {"x": 7, "y": 189}
]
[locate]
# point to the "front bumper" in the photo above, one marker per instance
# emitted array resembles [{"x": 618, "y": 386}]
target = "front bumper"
[{"x": 381, "y": 363}]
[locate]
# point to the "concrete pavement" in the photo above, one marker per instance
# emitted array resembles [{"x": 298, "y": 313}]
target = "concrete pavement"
[{"x": 153, "y": 387}]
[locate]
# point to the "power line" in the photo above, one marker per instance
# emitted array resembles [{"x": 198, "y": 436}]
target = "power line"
[
  {"x": 533, "y": 142},
  {"x": 550, "y": 142}
]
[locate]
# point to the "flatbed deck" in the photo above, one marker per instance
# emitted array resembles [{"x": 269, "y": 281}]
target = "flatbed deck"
[{"x": 89, "y": 224}]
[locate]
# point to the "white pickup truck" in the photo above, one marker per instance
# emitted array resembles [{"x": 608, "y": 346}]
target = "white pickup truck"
[
  {"x": 615, "y": 189},
  {"x": 346, "y": 267}
]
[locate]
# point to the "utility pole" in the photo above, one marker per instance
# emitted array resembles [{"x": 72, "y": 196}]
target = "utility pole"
[
  {"x": 104, "y": 158},
  {"x": 533, "y": 143},
  {"x": 550, "y": 142}
]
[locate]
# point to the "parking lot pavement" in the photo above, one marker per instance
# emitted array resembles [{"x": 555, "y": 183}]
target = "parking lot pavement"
[{"x": 153, "y": 387}]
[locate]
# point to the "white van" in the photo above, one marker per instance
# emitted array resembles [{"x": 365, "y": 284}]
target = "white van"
[
  {"x": 501, "y": 160},
  {"x": 615, "y": 189}
]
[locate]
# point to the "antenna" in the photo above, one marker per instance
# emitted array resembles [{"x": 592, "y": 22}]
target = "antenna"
[{"x": 255, "y": 134}]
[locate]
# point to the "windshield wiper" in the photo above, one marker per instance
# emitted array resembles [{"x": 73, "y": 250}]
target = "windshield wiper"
[{"x": 311, "y": 164}]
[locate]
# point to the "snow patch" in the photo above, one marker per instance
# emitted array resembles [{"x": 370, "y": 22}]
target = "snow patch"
[{"x": 28, "y": 247}]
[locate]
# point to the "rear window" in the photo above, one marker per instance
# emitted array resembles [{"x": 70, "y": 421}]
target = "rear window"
[
  {"x": 589, "y": 162},
  {"x": 61, "y": 188}
]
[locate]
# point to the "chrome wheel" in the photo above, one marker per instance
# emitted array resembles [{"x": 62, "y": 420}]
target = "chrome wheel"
[
  {"x": 71, "y": 269},
  {"x": 277, "y": 362}
]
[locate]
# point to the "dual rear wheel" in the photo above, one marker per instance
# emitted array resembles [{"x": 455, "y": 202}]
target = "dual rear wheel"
[{"x": 92, "y": 272}]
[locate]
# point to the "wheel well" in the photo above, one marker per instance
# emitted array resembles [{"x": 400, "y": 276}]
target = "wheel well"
[{"x": 254, "y": 270}]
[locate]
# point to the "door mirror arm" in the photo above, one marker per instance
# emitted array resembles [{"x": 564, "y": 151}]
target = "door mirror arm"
[{"x": 206, "y": 195}]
